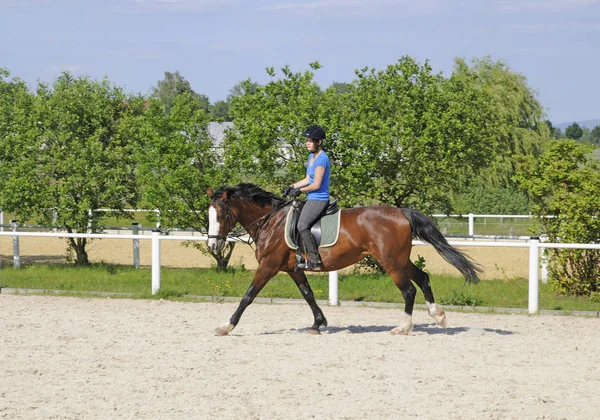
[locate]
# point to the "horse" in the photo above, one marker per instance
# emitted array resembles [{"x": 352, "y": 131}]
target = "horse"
[{"x": 384, "y": 232}]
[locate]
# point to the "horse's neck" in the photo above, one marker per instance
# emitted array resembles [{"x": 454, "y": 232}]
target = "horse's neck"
[{"x": 249, "y": 217}]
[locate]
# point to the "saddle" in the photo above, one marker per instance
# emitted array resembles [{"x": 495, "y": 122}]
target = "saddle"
[{"x": 325, "y": 230}]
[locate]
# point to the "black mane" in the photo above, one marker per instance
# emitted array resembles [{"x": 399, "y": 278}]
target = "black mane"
[{"x": 251, "y": 192}]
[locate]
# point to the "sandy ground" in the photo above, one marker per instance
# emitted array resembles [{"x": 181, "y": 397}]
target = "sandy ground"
[
  {"x": 73, "y": 358},
  {"x": 504, "y": 263}
]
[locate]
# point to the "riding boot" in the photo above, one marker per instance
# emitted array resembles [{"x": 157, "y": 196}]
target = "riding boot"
[{"x": 310, "y": 246}]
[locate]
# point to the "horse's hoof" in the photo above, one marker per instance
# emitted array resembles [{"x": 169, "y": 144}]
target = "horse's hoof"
[
  {"x": 313, "y": 331},
  {"x": 400, "y": 331},
  {"x": 223, "y": 330}
]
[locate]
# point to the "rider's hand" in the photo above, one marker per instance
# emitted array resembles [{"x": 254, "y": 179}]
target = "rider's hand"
[
  {"x": 287, "y": 190},
  {"x": 295, "y": 192}
]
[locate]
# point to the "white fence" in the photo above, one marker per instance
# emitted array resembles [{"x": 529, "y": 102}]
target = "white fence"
[
  {"x": 469, "y": 217},
  {"x": 533, "y": 244}
]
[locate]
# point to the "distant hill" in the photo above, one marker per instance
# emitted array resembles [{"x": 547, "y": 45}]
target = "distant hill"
[{"x": 587, "y": 123}]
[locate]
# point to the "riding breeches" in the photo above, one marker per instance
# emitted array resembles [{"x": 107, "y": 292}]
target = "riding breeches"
[{"x": 310, "y": 213}]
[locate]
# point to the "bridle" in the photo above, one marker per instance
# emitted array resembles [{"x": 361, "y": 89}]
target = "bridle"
[
  {"x": 225, "y": 207},
  {"x": 229, "y": 219}
]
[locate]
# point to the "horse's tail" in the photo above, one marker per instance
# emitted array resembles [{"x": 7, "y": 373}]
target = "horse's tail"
[{"x": 424, "y": 229}]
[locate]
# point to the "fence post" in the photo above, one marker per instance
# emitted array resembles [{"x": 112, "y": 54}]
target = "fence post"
[
  {"x": 157, "y": 219},
  {"x": 1, "y": 220},
  {"x": 54, "y": 220},
  {"x": 333, "y": 288},
  {"x": 544, "y": 258},
  {"x": 16, "y": 252},
  {"x": 534, "y": 263},
  {"x": 155, "y": 261},
  {"x": 135, "y": 229},
  {"x": 471, "y": 225},
  {"x": 89, "y": 230}
]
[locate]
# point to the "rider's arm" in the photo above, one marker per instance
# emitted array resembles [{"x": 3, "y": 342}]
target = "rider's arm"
[
  {"x": 302, "y": 183},
  {"x": 319, "y": 173}
]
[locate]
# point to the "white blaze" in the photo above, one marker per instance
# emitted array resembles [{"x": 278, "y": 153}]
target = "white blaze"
[{"x": 213, "y": 226}]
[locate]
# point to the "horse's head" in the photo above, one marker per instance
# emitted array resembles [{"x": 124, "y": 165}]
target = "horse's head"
[{"x": 221, "y": 219}]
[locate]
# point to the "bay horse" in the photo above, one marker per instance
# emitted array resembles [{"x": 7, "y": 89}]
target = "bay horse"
[{"x": 383, "y": 232}]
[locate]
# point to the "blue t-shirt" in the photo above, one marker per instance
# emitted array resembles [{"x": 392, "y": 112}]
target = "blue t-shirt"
[{"x": 323, "y": 192}]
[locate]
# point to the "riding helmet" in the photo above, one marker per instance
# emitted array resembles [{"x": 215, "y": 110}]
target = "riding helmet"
[{"x": 315, "y": 132}]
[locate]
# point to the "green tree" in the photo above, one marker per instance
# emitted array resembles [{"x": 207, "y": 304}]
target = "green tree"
[
  {"x": 399, "y": 136},
  {"x": 341, "y": 87},
  {"x": 411, "y": 137},
  {"x": 78, "y": 159},
  {"x": 18, "y": 151},
  {"x": 518, "y": 117},
  {"x": 220, "y": 111},
  {"x": 595, "y": 135},
  {"x": 177, "y": 162},
  {"x": 265, "y": 144},
  {"x": 565, "y": 183},
  {"x": 574, "y": 131},
  {"x": 173, "y": 85}
]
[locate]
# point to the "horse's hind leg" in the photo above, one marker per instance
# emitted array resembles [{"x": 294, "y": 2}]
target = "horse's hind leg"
[
  {"x": 421, "y": 278},
  {"x": 402, "y": 281},
  {"x": 305, "y": 289}
]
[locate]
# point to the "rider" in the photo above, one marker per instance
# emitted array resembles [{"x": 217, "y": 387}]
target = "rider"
[{"x": 316, "y": 185}]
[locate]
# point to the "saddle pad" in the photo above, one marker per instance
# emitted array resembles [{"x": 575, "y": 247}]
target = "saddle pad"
[{"x": 330, "y": 230}]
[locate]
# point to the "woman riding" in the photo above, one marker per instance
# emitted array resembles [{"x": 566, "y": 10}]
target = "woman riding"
[{"x": 316, "y": 185}]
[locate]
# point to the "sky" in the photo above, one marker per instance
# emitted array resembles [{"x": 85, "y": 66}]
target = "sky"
[{"x": 215, "y": 44}]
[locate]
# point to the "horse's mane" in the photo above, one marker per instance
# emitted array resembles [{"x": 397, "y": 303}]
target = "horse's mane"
[{"x": 251, "y": 192}]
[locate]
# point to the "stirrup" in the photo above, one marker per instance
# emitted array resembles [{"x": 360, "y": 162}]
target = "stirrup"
[{"x": 312, "y": 266}]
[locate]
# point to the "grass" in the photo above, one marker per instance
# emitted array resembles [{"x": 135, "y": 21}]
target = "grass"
[{"x": 185, "y": 283}]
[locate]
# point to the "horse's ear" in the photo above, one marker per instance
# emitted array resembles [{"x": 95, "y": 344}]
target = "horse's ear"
[
  {"x": 210, "y": 192},
  {"x": 225, "y": 196}
]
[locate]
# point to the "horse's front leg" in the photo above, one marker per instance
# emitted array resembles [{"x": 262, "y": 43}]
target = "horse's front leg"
[
  {"x": 302, "y": 283},
  {"x": 261, "y": 277}
]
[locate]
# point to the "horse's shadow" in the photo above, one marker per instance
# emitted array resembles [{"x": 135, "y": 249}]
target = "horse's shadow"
[{"x": 431, "y": 329}]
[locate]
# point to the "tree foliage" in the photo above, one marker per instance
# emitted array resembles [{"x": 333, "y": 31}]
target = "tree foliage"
[
  {"x": 402, "y": 135},
  {"x": 574, "y": 131},
  {"x": 595, "y": 135},
  {"x": 176, "y": 163},
  {"x": 72, "y": 158},
  {"x": 173, "y": 85},
  {"x": 565, "y": 183},
  {"x": 518, "y": 117}
]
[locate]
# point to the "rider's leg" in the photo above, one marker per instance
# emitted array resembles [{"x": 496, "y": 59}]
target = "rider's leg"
[{"x": 309, "y": 215}]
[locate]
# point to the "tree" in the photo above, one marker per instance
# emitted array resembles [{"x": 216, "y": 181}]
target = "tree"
[
  {"x": 173, "y": 85},
  {"x": 18, "y": 152},
  {"x": 518, "y": 117},
  {"x": 220, "y": 111},
  {"x": 574, "y": 131},
  {"x": 265, "y": 144},
  {"x": 398, "y": 136},
  {"x": 341, "y": 87},
  {"x": 177, "y": 162},
  {"x": 595, "y": 135},
  {"x": 565, "y": 183},
  {"x": 77, "y": 159}
]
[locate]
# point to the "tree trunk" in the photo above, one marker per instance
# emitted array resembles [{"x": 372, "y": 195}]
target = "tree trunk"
[{"x": 78, "y": 245}]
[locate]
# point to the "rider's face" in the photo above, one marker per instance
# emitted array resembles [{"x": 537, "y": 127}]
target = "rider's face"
[{"x": 312, "y": 145}]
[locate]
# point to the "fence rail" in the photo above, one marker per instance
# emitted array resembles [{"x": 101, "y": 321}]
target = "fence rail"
[
  {"x": 533, "y": 244},
  {"x": 469, "y": 218}
]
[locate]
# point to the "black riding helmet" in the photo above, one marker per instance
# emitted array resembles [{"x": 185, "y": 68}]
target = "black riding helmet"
[{"x": 315, "y": 132}]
